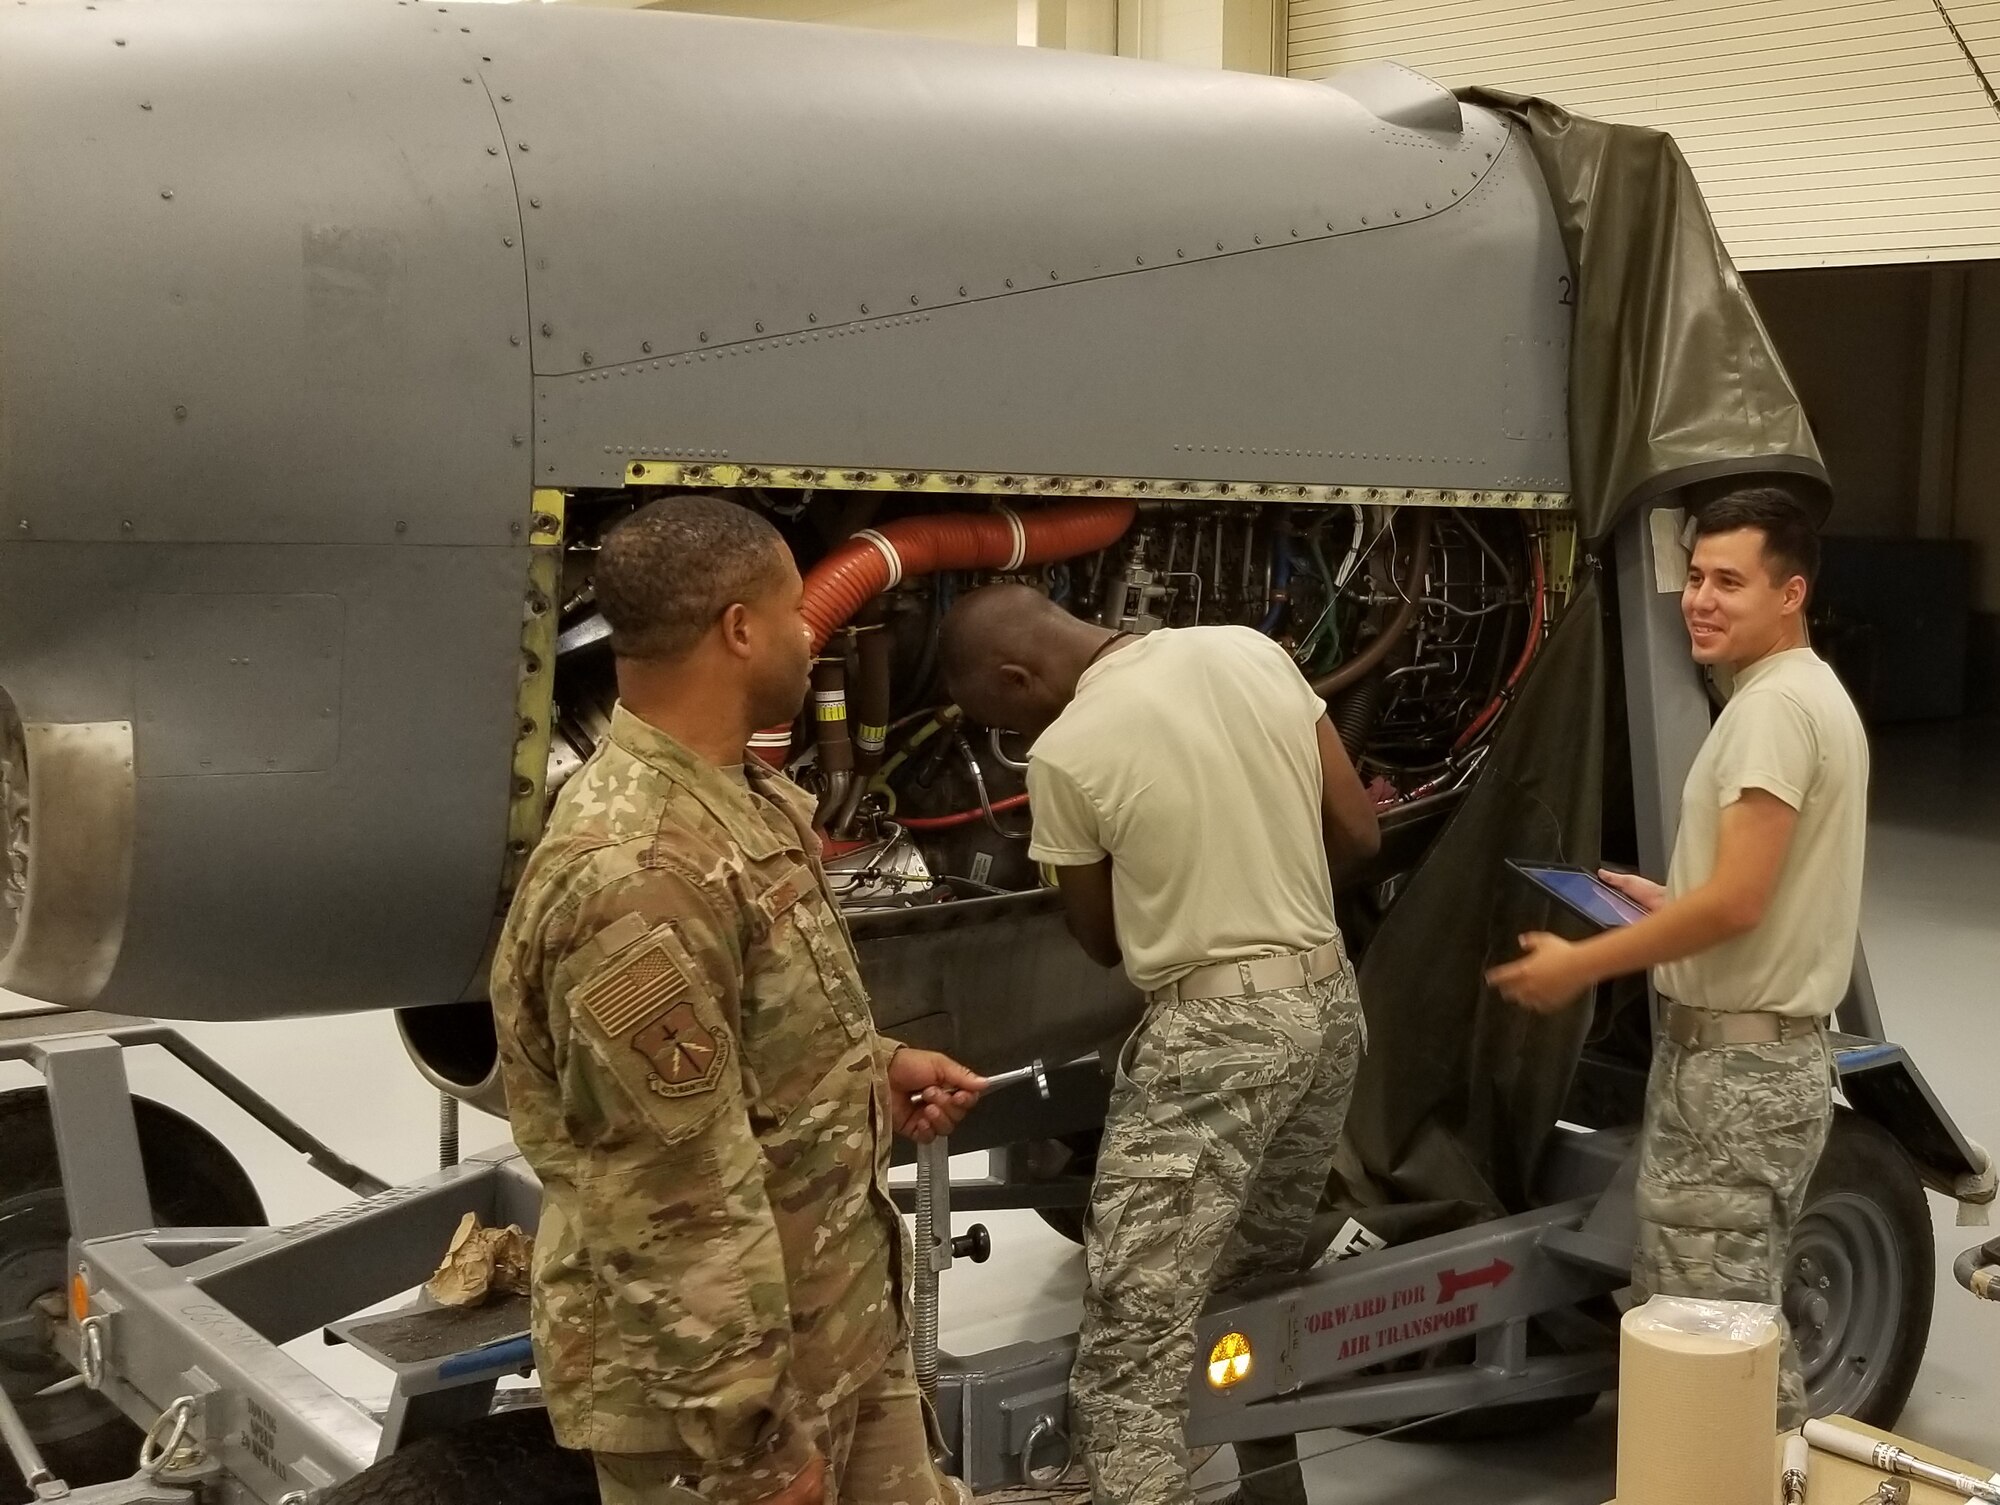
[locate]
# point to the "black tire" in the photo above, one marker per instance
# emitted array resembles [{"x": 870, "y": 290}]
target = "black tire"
[
  {"x": 1068, "y": 1221},
  {"x": 1074, "y": 1155},
  {"x": 194, "y": 1182},
  {"x": 1507, "y": 1419},
  {"x": 1862, "y": 1276},
  {"x": 1866, "y": 1231},
  {"x": 508, "y": 1459}
]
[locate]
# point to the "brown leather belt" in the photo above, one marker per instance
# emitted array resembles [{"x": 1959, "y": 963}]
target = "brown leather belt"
[
  {"x": 1259, "y": 974},
  {"x": 1701, "y": 1029}
]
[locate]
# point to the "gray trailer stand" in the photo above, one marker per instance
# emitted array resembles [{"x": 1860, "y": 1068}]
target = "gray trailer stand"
[{"x": 182, "y": 1327}]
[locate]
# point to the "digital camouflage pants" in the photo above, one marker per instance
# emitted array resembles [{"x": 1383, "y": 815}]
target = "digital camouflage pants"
[
  {"x": 1217, "y": 1144},
  {"x": 877, "y": 1444},
  {"x": 1731, "y": 1137}
]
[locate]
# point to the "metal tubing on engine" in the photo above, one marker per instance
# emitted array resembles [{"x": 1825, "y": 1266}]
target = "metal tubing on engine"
[
  {"x": 993, "y": 736},
  {"x": 1406, "y": 612}
]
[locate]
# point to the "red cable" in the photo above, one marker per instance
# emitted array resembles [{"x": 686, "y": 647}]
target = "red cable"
[{"x": 963, "y": 817}]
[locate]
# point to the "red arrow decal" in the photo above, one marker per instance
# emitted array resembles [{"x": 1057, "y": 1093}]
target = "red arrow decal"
[{"x": 1451, "y": 1283}]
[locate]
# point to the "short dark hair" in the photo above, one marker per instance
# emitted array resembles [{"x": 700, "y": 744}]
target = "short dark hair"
[
  {"x": 1791, "y": 543},
  {"x": 664, "y": 574}
]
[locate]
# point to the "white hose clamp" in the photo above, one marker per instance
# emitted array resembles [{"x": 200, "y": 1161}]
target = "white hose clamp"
[
  {"x": 1045, "y": 1477},
  {"x": 154, "y": 1454},
  {"x": 92, "y": 1341},
  {"x": 1020, "y": 531},
  {"x": 888, "y": 552}
]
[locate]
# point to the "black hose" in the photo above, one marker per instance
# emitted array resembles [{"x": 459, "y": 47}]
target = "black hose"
[
  {"x": 1356, "y": 712},
  {"x": 871, "y": 711},
  {"x": 830, "y": 734},
  {"x": 1506, "y": 571},
  {"x": 912, "y": 694},
  {"x": 1975, "y": 1262}
]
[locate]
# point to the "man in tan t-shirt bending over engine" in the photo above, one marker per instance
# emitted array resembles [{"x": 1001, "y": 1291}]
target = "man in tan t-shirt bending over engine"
[
  {"x": 1197, "y": 805},
  {"x": 1752, "y": 940}
]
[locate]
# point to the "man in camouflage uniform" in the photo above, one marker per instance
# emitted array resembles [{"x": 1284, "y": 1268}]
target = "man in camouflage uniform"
[
  {"x": 1195, "y": 802},
  {"x": 1751, "y": 939},
  {"x": 692, "y": 1070}
]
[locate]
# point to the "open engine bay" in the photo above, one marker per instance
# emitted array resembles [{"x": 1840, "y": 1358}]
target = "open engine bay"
[{"x": 1416, "y": 622}]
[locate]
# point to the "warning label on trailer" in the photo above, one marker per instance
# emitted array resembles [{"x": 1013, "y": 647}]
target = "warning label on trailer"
[
  {"x": 1393, "y": 1335},
  {"x": 1363, "y": 1330},
  {"x": 260, "y": 1439}
]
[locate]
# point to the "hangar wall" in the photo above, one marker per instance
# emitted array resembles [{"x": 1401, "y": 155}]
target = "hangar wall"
[
  {"x": 1823, "y": 134},
  {"x": 1246, "y": 35}
]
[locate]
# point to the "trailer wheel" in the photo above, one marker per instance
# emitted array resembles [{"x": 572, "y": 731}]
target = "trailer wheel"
[
  {"x": 194, "y": 1182},
  {"x": 511, "y": 1458},
  {"x": 1071, "y": 1156},
  {"x": 1068, "y": 1221},
  {"x": 1863, "y": 1273}
]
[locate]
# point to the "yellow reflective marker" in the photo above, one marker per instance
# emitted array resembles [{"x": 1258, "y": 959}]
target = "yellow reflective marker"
[{"x": 1229, "y": 1361}]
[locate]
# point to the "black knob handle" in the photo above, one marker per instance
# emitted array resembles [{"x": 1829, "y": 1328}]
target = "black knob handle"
[{"x": 975, "y": 1244}]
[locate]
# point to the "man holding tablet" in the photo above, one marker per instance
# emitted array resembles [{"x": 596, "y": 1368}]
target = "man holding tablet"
[{"x": 1752, "y": 938}]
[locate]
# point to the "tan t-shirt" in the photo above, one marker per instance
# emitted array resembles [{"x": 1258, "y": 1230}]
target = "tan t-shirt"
[
  {"x": 1789, "y": 729},
  {"x": 1190, "y": 758}
]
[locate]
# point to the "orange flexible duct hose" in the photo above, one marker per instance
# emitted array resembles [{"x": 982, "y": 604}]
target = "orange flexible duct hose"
[{"x": 875, "y": 559}]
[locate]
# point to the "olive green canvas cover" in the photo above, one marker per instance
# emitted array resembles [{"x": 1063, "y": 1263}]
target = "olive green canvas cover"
[{"x": 1675, "y": 387}]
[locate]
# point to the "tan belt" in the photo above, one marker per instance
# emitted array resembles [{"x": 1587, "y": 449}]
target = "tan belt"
[
  {"x": 1260, "y": 974},
  {"x": 1702, "y": 1029}
]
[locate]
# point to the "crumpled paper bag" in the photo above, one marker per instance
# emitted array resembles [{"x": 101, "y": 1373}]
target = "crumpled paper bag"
[{"x": 482, "y": 1262}]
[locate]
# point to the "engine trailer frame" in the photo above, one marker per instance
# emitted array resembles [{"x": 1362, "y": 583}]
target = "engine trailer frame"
[{"x": 182, "y": 1328}]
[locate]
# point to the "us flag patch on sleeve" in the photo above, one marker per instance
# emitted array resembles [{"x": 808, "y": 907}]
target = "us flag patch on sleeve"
[
  {"x": 645, "y": 1002},
  {"x": 624, "y": 999}
]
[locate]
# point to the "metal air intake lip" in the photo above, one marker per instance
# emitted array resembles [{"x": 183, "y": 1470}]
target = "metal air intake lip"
[
  {"x": 66, "y": 831},
  {"x": 15, "y": 831}
]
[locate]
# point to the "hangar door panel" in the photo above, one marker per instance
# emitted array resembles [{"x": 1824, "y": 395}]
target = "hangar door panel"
[{"x": 1821, "y": 134}]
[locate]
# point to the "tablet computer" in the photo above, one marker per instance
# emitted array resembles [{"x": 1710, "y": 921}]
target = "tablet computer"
[{"x": 1581, "y": 892}]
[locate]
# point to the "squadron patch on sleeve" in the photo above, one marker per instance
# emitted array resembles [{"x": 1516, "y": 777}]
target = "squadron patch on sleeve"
[
  {"x": 646, "y": 1000},
  {"x": 686, "y": 1055}
]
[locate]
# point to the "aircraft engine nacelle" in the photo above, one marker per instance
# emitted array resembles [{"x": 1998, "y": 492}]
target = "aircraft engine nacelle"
[{"x": 330, "y": 333}]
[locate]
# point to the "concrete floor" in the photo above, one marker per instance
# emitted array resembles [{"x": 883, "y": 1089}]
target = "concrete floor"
[{"x": 1933, "y": 942}]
